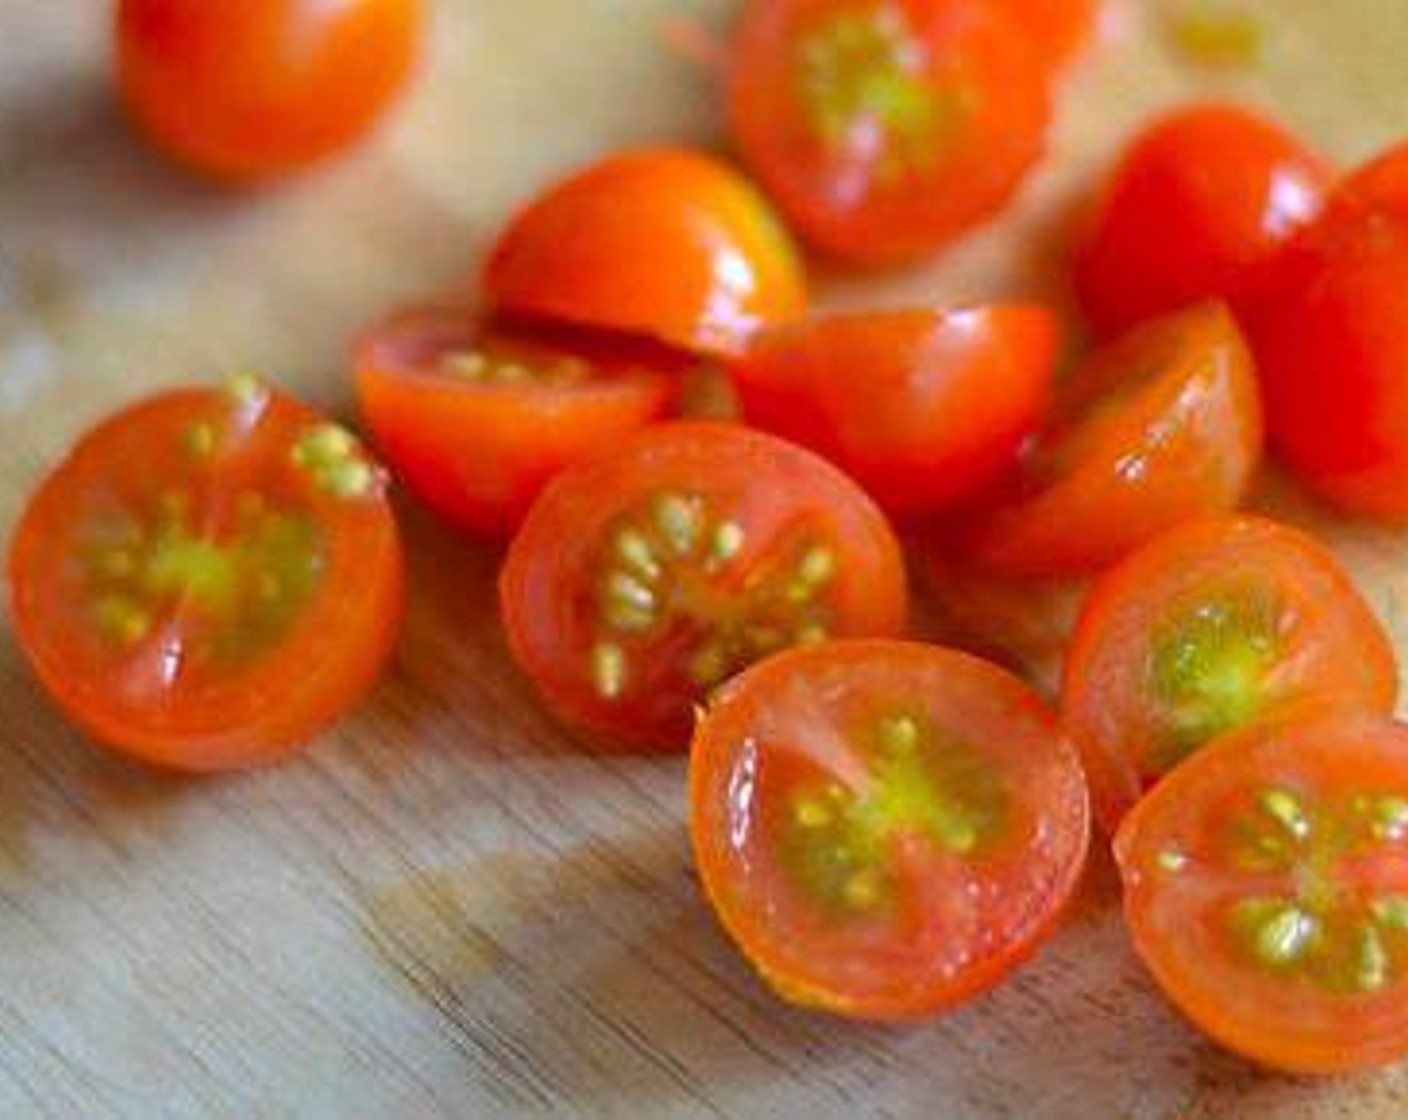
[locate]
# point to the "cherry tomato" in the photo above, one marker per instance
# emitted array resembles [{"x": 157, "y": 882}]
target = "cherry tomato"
[
  {"x": 923, "y": 408},
  {"x": 886, "y": 128},
  {"x": 884, "y": 828},
  {"x": 670, "y": 245},
  {"x": 1198, "y": 208},
  {"x": 648, "y": 575},
  {"x": 259, "y": 87},
  {"x": 209, "y": 578},
  {"x": 1055, "y": 29},
  {"x": 1161, "y": 425},
  {"x": 1266, "y": 888},
  {"x": 1213, "y": 625},
  {"x": 1329, "y": 338},
  {"x": 477, "y": 420}
]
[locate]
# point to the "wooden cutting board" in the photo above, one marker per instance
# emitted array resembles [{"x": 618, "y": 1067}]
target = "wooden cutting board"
[{"x": 451, "y": 907}]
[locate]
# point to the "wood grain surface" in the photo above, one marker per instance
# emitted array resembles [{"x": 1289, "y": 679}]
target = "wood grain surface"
[{"x": 450, "y": 907}]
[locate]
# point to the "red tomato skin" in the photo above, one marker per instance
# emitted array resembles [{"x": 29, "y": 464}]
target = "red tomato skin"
[
  {"x": 1199, "y": 207},
  {"x": 1056, "y": 29},
  {"x": 926, "y": 409},
  {"x": 478, "y": 456},
  {"x": 249, "y": 90},
  {"x": 1329, "y": 337},
  {"x": 834, "y": 201},
  {"x": 263, "y": 720},
  {"x": 663, "y": 243}
]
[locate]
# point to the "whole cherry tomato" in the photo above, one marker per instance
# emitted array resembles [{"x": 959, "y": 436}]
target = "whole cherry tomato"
[
  {"x": 1199, "y": 208},
  {"x": 1213, "y": 625},
  {"x": 664, "y": 244},
  {"x": 886, "y": 128},
  {"x": 923, "y": 408},
  {"x": 647, "y": 575},
  {"x": 209, "y": 578},
  {"x": 885, "y": 828},
  {"x": 1266, "y": 888},
  {"x": 245, "y": 89},
  {"x": 476, "y": 419}
]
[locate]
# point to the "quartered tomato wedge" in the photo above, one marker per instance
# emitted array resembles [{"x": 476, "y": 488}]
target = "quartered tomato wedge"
[
  {"x": 1162, "y": 425},
  {"x": 1330, "y": 338},
  {"x": 1266, "y": 887},
  {"x": 1199, "y": 208},
  {"x": 477, "y": 419},
  {"x": 209, "y": 578},
  {"x": 1216, "y": 624},
  {"x": 648, "y": 575},
  {"x": 923, "y": 408},
  {"x": 884, "y": 828},
  {"x": 886, "y": 128},
  {"x": 255, "y": 88},
  {"x": 666, "y": 244},
  {"x": 1055, "y": 29}
]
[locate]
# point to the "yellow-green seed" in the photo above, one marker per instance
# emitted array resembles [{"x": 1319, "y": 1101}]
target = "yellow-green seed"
[
  {"x": 709, "y": 665},
  {"x": 608, "y": 668},
  {"x": 1391, "y": 912},
  {"x": 244, "y": 389},
  {"x": 727, "y": 541},
  {"x": 810, "y": 813},
  {"x": 1286, "y": 809},
  {"x": 352, "y": 479},
  {"x": 470, "y": 365},
  {"x": 634, "y": 550},
  {"x": 899, "y": 734},
  {"x": 1282, "y": 935},
  {"x": 862, "y": 890},
  {"x": 817, "y": 567},
  {"x": 325, "y": 444},
  {"x": 1371, "y": 973},
  {"x": 678, "y": 519},
  {"x": 1390, "y": 818},
  {"x": 626, "y": 590},
  {"x": 1172, "y": 861},
  {"x": 121, "y": 620},
  {"x": 200, "y": 440}
]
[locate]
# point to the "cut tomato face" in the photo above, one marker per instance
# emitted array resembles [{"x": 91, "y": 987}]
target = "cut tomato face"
[
  {"x": 1158, "y": 427},
  {"x": 1214, "y": 625},
  {"x": 886, "y": 128},
  {"x": 665, "y": 244},
  {"x": 1199, "y": 208},
  {"x": 1329, "y": 338},
  {"x": 476, "y": 420},
  {"x": 209, "y": 578},
  {"x": 253, "y": 89},
  {"x": 884, "y": 828},
  {"x": 1266, "y": 888},
  {"x": 924, "y": 408},
  {"x": 648, "y": 575}
]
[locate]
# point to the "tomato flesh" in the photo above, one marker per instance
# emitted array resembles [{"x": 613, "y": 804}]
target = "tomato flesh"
[
  {"x": 187, "y": 556},
  {"x": 1210, "y": 627},
  {"x": 884, "y": 828},
  {"x": 258, "y": 88},
  {"x": 646, "y": 576},
  {"x": 1266, "y": 887},
  {"x": 666, "y": 244},
  {"x": 1162, "y": 425},
  {"x": 924, "y": 408},
  {"x": 476, "y": 420},
  {"x": 886, "y": 128},
  {"x": 1200, "y": 207}
]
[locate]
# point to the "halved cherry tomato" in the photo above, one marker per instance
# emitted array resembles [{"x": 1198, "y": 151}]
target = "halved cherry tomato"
[
  {"x": 648, "y": 575},
  {"x": 476, "y": 420},
  {"x": 1330, "y": 336},
  {"x": 1198, "y": 208},
  {"x": 886, "y": 128},
  {"x": 1055, "y": 29},
  {"x": 884, "y": 828},
  {"x": 1162, "y": 425},
  {"x": 1213, "y": 625},
  {"x": 1266, "y": 887},
  {"x": 923, "y": 408},
  {"x": 669, "y": 245},
  {"x": 209, "y": 578},
  {"x": 251, "y": 89}
]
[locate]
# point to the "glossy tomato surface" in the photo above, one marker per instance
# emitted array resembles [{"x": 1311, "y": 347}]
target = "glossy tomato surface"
[
  {"x": 1266, "y": 887},
  {"x": 648, "y": 575},
  {"x": 1162, "y": 425},
  {"x": 886, "y": 128},
  {"x": 667, "y": 244},
  {"x": 1216, "y": 624},
  {"x": 209, "y": 578},
  {"x": 476, "y": 419},
  {"x": 248, "y": 89},
  {"x": 923, "y": 408},
  {"x": 1199, "y": 207},
  {"x": 884, "y": 828},
  {"x": 1330, "y": 338}
]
